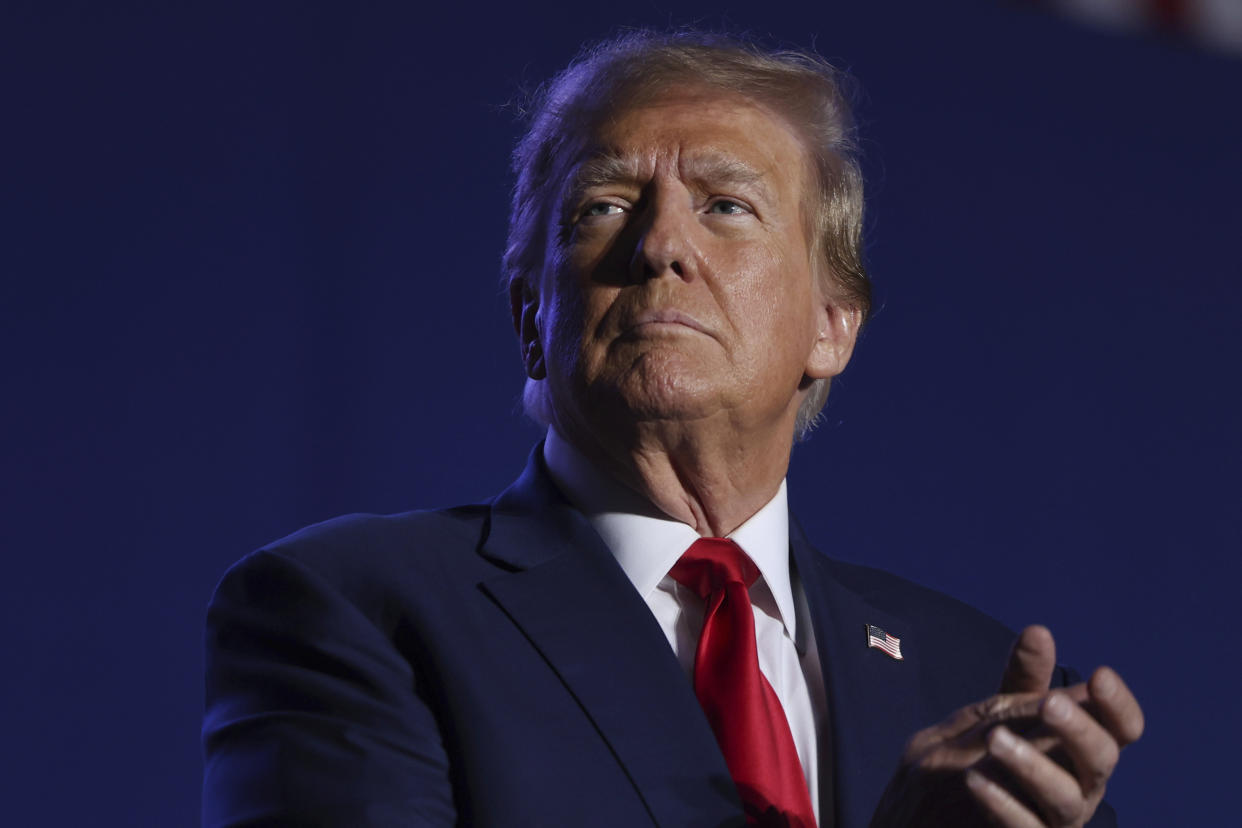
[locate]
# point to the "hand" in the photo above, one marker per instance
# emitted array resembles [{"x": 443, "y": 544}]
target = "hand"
[{"x": 1027, "y": 757}]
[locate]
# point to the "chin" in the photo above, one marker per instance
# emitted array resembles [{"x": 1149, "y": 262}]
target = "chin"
[{"x": 667, "y": 395}]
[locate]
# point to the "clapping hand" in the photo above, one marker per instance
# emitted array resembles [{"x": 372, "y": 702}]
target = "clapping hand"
[{"x": 1028, "y": 757}]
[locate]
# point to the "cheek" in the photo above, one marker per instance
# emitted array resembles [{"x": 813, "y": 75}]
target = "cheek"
[
  {"x": 770, "y": 294},
  {"x": 573, "y": 318}
]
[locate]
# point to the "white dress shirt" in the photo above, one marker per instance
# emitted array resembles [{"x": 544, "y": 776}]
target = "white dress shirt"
[{"x": 647, "y": 542}]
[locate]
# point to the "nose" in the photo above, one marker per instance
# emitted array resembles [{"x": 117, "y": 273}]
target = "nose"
[{"x": 665, "y": 241}]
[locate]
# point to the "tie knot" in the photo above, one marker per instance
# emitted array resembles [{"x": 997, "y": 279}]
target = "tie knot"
[{"x": 711, "y": 563}]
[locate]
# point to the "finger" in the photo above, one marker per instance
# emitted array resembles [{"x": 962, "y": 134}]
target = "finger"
[
  {"x": 967, "y": 728},
  {"x": 1031, "y": 662},
  {"x": 1056, "y": 793},
  {"x": 1018, "y": 711},
  {"x": 1115, "y": 706},
  {"x": 1091, "y": 749},
  {"x": 970, "y": 723},
  {"x": 1036, "y": 731},
  {"x": 999, "y": 804}
]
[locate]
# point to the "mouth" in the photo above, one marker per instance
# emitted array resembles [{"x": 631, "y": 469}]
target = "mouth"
[{"x": 670, "y": 319}]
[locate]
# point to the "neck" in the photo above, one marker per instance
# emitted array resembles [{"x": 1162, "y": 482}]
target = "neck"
[{"x": 713, "y": 480}]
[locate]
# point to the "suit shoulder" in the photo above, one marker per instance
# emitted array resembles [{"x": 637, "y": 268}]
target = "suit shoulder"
[
  {"x": 379, "y": 535},
  {"x": 366, "y": 556}
]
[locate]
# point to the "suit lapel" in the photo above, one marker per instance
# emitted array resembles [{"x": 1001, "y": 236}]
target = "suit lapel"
[
  {"x": 872, "y": 698},
  {"x": 576, "y": 606}
]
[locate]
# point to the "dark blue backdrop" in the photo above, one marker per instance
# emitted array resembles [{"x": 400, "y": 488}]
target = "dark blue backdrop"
[{"x": 250, "y": 282}]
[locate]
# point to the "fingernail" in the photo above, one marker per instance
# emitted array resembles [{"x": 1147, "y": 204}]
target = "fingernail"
[
  {"x": 1057, "y": 708},
  {"x": 976, "y": 780},
  {"x": 1003, "y": 741}
]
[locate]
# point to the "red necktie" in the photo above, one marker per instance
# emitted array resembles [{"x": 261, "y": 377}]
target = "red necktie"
[{"x": 742, "y": 707}]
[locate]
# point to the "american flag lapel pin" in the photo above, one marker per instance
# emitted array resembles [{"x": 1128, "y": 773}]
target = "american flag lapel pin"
[{"x": 881, "y": 640}]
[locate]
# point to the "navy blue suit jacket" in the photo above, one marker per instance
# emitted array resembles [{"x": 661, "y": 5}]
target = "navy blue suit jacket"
[{"x": 492, "y": 665}]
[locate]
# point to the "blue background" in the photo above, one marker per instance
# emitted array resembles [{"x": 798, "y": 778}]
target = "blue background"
[{"x": 250, "y": 281}]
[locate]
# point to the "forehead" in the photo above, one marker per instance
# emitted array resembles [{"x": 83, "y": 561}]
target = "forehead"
[{"x": 701, "y": 134}]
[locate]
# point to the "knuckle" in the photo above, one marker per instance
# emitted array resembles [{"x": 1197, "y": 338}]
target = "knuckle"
[
  {"x": 1069, "y": 812},
  {"x": 1102, "y": 768},
  {"x": 1112, "y": 752},
  {"x": 989, "y": 708},
  {"x": 918, "y": 745},
  {"x": 932, "y": 761}
]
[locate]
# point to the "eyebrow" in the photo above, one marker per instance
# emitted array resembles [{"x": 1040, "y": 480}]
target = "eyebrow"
[
  {"x": 708, "y": 171},
  {"x": 603, "y": 168},
  {"x": 721, "y": 170}
]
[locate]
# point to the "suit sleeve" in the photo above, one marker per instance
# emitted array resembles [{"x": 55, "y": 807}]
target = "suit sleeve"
[{"x": 313, "y": 717}]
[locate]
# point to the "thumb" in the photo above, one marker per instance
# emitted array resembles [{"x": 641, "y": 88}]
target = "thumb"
[{"x": 1031, "y": 662}]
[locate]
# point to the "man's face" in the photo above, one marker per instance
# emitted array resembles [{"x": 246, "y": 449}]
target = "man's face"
[{"x": 678, "y": 277}]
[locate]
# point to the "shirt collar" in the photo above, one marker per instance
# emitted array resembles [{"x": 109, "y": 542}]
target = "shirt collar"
[{"x": 647, "y": 542}]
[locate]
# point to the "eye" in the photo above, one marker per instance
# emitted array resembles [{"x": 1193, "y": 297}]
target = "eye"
[
  {"x": 601, "y": 208},
  {"x": 727, "y": 207}
]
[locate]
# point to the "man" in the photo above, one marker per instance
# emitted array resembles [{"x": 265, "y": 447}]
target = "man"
[{"x": 635, "y": 632}]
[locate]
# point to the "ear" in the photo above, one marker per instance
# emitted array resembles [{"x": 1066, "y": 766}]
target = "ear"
[
  {"x": 834, "y": 344},
  {"x": 524, "y": 305}
]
